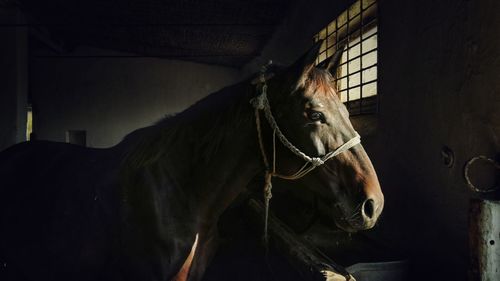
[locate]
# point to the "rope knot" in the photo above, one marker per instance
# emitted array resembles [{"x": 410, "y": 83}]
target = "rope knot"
[
  {"x": 258, "y": 102},
  {"x": 315, "y": 161},
  {"x": 268, "y": 194}
]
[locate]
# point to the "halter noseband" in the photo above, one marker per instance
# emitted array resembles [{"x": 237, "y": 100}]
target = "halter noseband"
[{"x": 261, "y": 102}]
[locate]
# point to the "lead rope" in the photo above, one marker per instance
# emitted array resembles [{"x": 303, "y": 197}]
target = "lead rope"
[
  {"x": 260, "y": 102},
  {"x": 267, "y": 178}
]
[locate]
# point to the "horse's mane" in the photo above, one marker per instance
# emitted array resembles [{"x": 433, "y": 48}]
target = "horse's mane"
[{"x": 201, "y": 127}]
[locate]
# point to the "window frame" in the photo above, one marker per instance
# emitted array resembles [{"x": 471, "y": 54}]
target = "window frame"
[{"x": 346, "y": 28}]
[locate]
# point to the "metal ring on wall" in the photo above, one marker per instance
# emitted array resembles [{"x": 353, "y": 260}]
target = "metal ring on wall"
[{"x": 466, "y": 173}]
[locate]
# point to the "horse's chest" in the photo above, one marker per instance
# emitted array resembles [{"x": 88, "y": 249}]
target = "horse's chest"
[{"x": 183, "y": 273}]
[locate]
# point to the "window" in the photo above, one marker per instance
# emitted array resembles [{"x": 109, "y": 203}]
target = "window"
[
  {"x": 356, "y": 77},
  {"x": 29, "y": 122}
]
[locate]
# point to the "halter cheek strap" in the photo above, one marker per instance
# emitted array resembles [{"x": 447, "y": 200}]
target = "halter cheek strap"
[{"x": 262, "y": 103}]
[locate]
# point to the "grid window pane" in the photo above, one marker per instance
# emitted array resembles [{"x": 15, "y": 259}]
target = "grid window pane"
[
  {"x": 354, "y": 66},
  {"x": 354, "y": 52},
  {"x": 369, "y": 59},
  {"x": 354, "y": 80},
  {"x": 370, "y": 11},
  {"x": 354, "y": 23},
  {"x": 330, "y": 51},
  {"x": 354, "y": 9},
  {"x": 370, "y": 89},
  {"x": 332, "y": 26},
  {"x": 356, "y": 77},
  {"x": 342, "y": 33},
  {"x": 367, "y": 3},
  {"x": 322, "y": 57},
  {"x": 369, "y": 30},
  {"x": 369, "y": 74},
  {"x": 343, "y": 96},
  {"x": 342, "y": 83},
  {"x": 354, "y": 93},
  {"x": 369, "y": 43},
  {"x": 343, "y": 58},
  {"x": 323, "y": 47},
  {"x": 322, "y": 34},
  {"x": 342, "y": 19},
  {"x": 330, "y": 41},
  {"x": 355, "y": 38}
]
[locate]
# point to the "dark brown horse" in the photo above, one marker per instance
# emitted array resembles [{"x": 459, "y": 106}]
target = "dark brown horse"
[{"x": 146, "y": 209}]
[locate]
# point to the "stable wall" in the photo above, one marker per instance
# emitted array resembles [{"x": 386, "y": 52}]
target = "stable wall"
[
  {"x": 111, "y": 96},
  {"x": 438, "y": 85},
  {"x": 13, "y": 78}
]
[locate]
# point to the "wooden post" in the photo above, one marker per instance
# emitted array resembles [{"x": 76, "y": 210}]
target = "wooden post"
[
  {"x": 306, "y": 259},
  {"x": 484, "y": 239}
]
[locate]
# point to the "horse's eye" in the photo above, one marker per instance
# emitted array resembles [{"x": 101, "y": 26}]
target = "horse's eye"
[{"x": 316, "y": 116}]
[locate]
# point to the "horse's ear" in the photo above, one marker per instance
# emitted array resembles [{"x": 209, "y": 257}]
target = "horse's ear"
[
  {"x": 305, "y": 63},
  {"x": 334, "y": 61}
]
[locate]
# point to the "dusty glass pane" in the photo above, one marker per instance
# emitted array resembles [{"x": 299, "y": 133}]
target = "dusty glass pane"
[
  {"x": 370, "y": 89},
  {"x": 330, "y": 51},
  {"x": 369, "y": 59},
  {"x": 370, "y": 74},
  {"x": 341, "y": 71},
  {"x": 342, "y": 33},
  {"x": 330, "y": 41},
  {"x": 354, "y": 51},
  {"x": 354, "y": 65},
  {"x": 354, "y": 23},
  {"x": 366, "y": 3},
  {"x": 354, "y": 38},
  {"x": 323, "y": 47},
  {"x": 354, "y": 94},
  {"x": 332, "y": 27},
  {"x": 342, "y": 19},
  {"x": 354, "y": 80},
  {"x": 322, "y": 34},
  {"x": 369, "y": 30},
  {"x": 343, "y": 96},
  {"x": 322, "y": 57},
  {"x": 342, "y": 83},
  {"x": 370, "y": 12},
  {"x": 343, "y": 59},
  {"x": 354, "y": 9},
  {"x": 369, "y": 44}
]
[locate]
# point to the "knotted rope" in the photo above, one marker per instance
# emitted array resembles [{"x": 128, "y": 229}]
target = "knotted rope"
[{"x": 261, "y": 102}]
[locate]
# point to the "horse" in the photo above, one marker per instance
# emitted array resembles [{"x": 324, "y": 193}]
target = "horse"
[{"x": 147, "y": 208}]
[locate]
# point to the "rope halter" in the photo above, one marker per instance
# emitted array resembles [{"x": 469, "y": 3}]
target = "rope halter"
[{"x": 261, "y": 102}]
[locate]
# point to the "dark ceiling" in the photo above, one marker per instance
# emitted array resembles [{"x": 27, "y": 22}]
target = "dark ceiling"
[{"x": 225, "y": 32}]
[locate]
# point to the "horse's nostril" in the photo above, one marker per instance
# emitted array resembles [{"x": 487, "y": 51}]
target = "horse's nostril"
[{"x": 368, "y": 208}]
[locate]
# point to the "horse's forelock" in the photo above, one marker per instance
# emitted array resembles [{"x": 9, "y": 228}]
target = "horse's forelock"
[{"x": 319, "y": 81}]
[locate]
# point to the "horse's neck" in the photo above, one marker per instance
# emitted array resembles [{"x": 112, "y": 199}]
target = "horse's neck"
[
  {"x": 216, "y": 182},
  {"x": 222, "y": 180},
  {"x": 217, "y": 155}
]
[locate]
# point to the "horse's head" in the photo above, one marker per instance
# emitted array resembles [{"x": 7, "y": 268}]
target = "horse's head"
[{"x": 313, "y": 119}]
